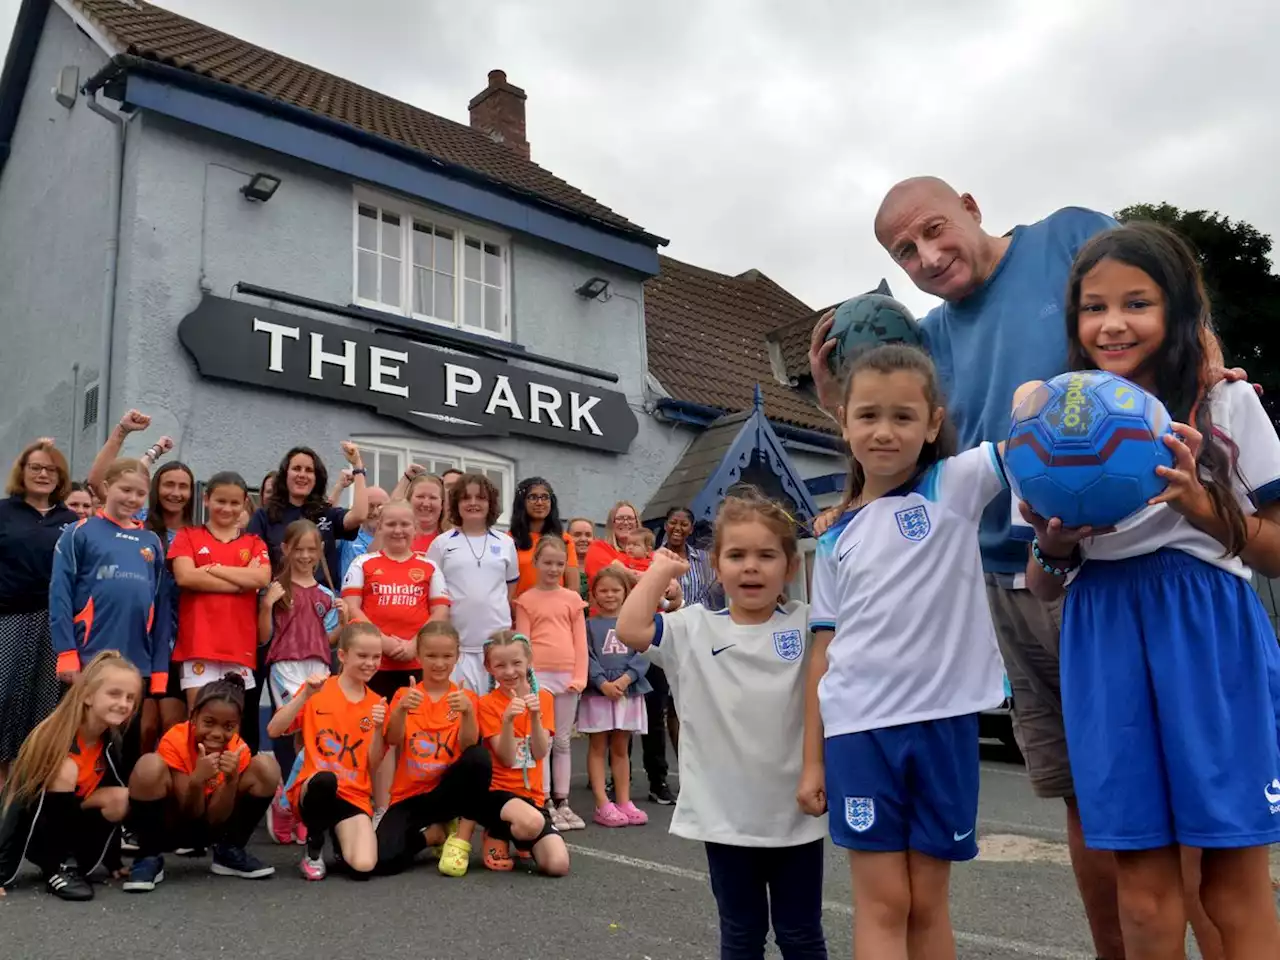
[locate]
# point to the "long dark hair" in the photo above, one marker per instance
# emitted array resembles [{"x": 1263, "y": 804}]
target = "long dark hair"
[
  {"x": 1180, "y": 365},
  {"x": 888, "y": 358},
  {"x": 315, "y": 505},
  {"x": 155, "y": 513},
  {"x": 551, "y": 526}
]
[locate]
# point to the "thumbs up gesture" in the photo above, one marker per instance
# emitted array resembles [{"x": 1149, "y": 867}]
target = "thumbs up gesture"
[
  {"x": 229, "y": 761},
  {"x": 379, "y": 712},
  {"x": 206, "y": 767},
  {"x": 459, "y": 703},
  {"x": 412, "y": 697}
]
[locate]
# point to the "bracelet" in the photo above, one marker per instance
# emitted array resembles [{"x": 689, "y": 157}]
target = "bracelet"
[
  {"x": 359, "y": 472},
  {"x": 1069, "y": 564}
]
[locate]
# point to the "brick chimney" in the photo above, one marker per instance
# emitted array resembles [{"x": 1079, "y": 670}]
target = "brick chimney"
[{"x": 498, "y": 110}]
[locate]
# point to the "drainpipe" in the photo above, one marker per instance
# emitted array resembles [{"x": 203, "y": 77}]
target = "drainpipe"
[{"x": 111, "y": 253}]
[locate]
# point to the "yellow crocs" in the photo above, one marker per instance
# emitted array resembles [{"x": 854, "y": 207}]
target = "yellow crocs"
[{"x": 455, "y": 857}]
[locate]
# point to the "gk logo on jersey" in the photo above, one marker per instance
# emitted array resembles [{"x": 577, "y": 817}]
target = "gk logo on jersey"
[
  {"x": 859, "y": 813},
  {"x": 788, "y": 645},
  {"x": 913, "y": 523}
]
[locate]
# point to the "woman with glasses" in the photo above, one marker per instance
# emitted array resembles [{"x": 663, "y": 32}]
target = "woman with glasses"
[
  {"x": 536, "y": 511},
  {"x": 31, "y": 520},
  {"x": 623, "y": 520}
]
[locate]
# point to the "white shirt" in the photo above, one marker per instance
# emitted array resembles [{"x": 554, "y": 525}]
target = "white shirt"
[
  {"x": 1238, "y": 415},
  {"x": 477, "y": 570},
  {"x": 739, "y": 691},
  {"x": 900, "y": 582}
]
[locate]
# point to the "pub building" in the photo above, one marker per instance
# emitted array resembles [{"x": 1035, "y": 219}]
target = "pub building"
[{"x": 260, "y": 254}]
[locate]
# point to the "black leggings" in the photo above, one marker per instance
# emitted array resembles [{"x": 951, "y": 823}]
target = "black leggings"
[
  {"x": 161, "y": 827},
  {"x": 63, "y": 831},
  {"x": 459, "y": 793}
]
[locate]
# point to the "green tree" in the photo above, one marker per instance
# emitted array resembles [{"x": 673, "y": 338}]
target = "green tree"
[{"x": 1244, "y": 293}]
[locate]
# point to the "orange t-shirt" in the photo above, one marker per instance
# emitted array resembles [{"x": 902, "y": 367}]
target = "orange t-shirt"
[
  {"x": 178, "y": 750},
  {"x": 397, "y": 596},
  {"x": 512, "y": 779},
  {"x": 528, "y": 572},
  {"x": 430, "y": 744},
  {"x": 336, "y": 736},
  {"x": 91, "y": 766}
]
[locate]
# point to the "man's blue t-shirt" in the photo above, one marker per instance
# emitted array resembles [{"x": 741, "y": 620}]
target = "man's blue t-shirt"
[{"x": 1011, "y": 330}]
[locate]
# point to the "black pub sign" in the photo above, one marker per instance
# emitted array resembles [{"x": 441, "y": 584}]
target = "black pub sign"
[{"x": 438, "y": 391}]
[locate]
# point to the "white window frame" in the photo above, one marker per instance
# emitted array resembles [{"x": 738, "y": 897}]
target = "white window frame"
[
  {"x": 414, "y": 450},
  {"x": 801, "y": 586},
  {"x": 462, "y": 230}
]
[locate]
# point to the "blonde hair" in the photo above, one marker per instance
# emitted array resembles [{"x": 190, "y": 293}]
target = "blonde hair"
[
  {"x": 751, "y": 504},
  {"x": 122, "y": 465},
  {"x": 644, "y": 536},
  {"x": 47, "y": 746},
  {"x": 505, "y": 638},
  {"x": 549, "y": 543},
  {"x": 444, "y": 496},
  {"x": 610, "y": 536},
  {"x": 17, "y": 485},
  {"x": 356, "y": 628}
]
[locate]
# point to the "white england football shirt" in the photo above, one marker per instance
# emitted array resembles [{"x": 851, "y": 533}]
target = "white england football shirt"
[
  {"x": 477, "y": 570},
  {"x": 1241, "y": 421},
  {"x": 900, "y": 582},
  {"x": 739, "y": 691}
]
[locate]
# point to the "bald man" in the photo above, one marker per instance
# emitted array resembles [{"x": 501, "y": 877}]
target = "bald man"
[{"x": 1000, "y": 324}]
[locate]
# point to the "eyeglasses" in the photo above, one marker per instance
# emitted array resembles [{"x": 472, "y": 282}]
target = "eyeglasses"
[
  {"x": 538, "y": 498},
  {"x": 43, "y": 468}
]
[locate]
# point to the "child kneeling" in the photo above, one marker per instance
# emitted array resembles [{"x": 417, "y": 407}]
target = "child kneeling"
[
  {"x": 201, "y": 787},
  {"x": 442, "y": 772},
  {"x": 512, "y": 720},
  {"x": 65, "y": 799}
]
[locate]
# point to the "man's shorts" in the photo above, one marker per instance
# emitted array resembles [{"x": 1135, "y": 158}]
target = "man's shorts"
[
  {"x": 1027, "y": 630},
  {"x": 196, "y": 673}
]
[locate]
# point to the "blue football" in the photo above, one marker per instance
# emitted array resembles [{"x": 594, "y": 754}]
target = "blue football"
[{"x": 1084, "y": 447}]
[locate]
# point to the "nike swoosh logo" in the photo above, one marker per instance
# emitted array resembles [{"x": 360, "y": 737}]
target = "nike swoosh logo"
[
  {"x": 961, "y": 836},
  {"x": 850, "y": 550},
  {"x": 324, "y": 713},
  {"x": 717, "y": 652}
]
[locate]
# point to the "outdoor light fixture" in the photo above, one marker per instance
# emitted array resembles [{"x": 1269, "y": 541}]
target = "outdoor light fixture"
[
  {"x": 261, "y": 187},
  {"x": 593, "y": 289}
]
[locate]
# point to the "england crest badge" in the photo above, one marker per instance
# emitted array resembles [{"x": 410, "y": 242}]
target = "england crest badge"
[
  {"x": 913, "y": 522},
  {"x": 788, "y": 644},
  {"x": 859, "y": 813}
]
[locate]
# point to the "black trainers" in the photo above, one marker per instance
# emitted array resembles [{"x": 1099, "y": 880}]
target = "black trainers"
[
  {"x": 69, "y": 884},
  {"x": 144, "y": 875},
  {"x": 661, "y": 794},
  {"x": 231, "y": 861},
  {"x": 128, "y": 841}
]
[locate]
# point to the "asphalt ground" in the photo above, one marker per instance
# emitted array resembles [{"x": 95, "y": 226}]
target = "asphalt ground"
[{"x": 633, "y": 894}]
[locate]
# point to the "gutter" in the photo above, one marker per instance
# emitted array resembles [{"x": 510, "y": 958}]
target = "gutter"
[
  {"x": 111, "y": 252},
  {"x": 702, "y": 415},
  {"x": 121, "y": 64}
]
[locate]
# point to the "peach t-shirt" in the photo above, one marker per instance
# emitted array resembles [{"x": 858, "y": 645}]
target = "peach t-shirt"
[{"x": 555, "y": 623}]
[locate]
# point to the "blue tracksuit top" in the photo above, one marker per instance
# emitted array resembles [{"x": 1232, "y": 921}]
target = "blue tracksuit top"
[{"x": 108, "y": 583}]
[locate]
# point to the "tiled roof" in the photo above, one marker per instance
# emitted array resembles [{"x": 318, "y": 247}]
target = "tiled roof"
[
  {"x": 793, "y": 338},
  {"x": 150, "y": 32},
  {"x": 707, "y": 341}
]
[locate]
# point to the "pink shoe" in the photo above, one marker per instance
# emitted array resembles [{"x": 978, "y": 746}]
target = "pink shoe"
[
  {"x": 299, "y": 833},
  {"x": 610, "y": 816},
  {"x": 635, "y": 816},
  {"x": 312, "y": 869},
  {"x": 279, "y": 820}
]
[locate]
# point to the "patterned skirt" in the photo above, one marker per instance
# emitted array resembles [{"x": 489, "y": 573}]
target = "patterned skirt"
[{"x": 29, "y": 688}]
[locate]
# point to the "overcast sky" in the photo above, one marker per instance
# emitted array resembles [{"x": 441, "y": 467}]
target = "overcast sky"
[{"x": 763, "y": 133}]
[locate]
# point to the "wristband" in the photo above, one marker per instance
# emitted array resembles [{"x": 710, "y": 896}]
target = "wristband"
[
  {"x": 1052, "y": 567},
  {"x": 359, "y": 472}
]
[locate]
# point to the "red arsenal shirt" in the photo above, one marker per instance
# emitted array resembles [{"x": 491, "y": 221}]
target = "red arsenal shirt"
[{"x": 217, "y": 626}]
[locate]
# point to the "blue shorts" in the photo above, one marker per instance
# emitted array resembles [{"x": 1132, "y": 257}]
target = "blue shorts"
[
  {"x": 911, "y": 787},
  {"x": 1170, "y": 686}
]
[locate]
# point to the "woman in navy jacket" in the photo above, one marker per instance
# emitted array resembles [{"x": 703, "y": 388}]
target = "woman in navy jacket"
[{"x": 31, "y": 520}]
